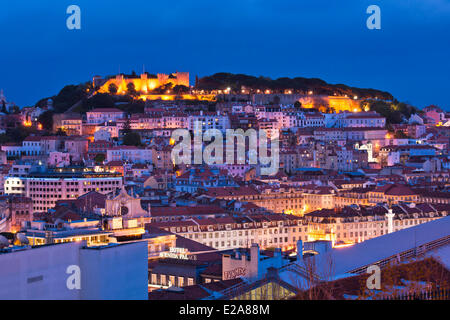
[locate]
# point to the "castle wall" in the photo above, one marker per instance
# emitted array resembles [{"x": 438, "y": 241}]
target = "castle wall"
[{"x": 143, "y": 84}]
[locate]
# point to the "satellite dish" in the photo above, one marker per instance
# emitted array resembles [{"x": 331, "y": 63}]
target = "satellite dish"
[
  {"x": 4, "y": 242},
  {"x": 22, "y": 239}
]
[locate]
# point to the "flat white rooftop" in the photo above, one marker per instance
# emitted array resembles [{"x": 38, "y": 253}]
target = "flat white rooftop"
[{"x": 376, "y": 249}]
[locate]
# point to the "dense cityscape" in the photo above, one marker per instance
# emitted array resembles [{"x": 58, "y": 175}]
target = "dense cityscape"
[
  {"x": 93, "y": 184},
  {"x": 215, "y": 159}
]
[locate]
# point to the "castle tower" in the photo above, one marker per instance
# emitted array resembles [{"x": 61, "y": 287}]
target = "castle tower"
[
  {"x": 162, "y": 79},
  {"x": 144, "y": 83},
  {"x": 182, "y": 78},
  {"x": 119, "y": 78}
]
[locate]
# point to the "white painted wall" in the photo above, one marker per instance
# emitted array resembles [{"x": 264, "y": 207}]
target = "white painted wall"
[
  {"x": 118, "y": 272},
  {"x": 112, "y": 272},
  {"x": 45, "y": 265}
]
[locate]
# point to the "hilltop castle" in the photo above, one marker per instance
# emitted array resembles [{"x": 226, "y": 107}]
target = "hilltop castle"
[{"x": 143, "y": 83}]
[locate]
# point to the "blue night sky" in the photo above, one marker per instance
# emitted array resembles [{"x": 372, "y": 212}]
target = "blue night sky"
[{"x": 327, "y": 39}]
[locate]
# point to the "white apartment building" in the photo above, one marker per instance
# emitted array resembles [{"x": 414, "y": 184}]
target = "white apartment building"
[
  {"x": 32, "y": 146},
  {"x": 360, "y": 120},
  {"x": 129, "y": 153},
  {"x": 72, "y": 126},
  {"x": 111, "y": 128},
  {"x": 101, "y": 115},
  {"x": 174, "y": 120},
  {"x": 365, "y": 133},
  {"x": 351, "y": 227},
  {"x": 311, "y": 120},
  {"x": 209, "y": 120},
  {"x": 45, "y": 188},
  {"x": 224, "y": 233}
]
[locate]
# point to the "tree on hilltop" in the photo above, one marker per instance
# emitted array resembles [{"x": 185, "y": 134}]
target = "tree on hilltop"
[
  {"x": 112, "y": 88},
  {"x": 131, "y": 89}
]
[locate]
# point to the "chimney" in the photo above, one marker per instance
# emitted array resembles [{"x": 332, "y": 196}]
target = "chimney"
[
  {"x": 277, "y": 253},
  {"x": 322, "y": 246},
  {"x": 299, "y": 250},
  {"x": 254, "y": 252}
]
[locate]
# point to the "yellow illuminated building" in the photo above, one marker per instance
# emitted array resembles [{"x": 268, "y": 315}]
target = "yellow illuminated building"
[
  {"x": 340, "y": 104},
  {"x": 316, "y": 232},
  {"x": 170, "y": 97},
  {"x": 337, "y": 103}
]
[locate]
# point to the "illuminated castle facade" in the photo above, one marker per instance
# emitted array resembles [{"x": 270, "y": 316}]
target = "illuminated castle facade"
[
  {"x": 336, "y": 103},
  {"x": 142, "y": 84}
]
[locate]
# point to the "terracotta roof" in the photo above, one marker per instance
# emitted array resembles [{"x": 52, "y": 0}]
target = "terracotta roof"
[
  {"x": 395, "y": 190},
  {"x": 194, "y": 246},
  {"x": 231, "y": 191},
  {"x": 195, "y": 292},
  {"x": 116, "y": 163},
  {"x": 106, "y": 110},
  {"x": 183, "y": 211},
  {"x": 33, "y": 138}
]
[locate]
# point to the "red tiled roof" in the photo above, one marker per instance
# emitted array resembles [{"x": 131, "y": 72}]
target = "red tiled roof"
[
  {"x": 106, "y": 110},
  {"x": 195, "y": 292},
  {"x": 231, "y": 191},
  {"x": 116, "y": 163},
  {"x": 181, "y": 211}
]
